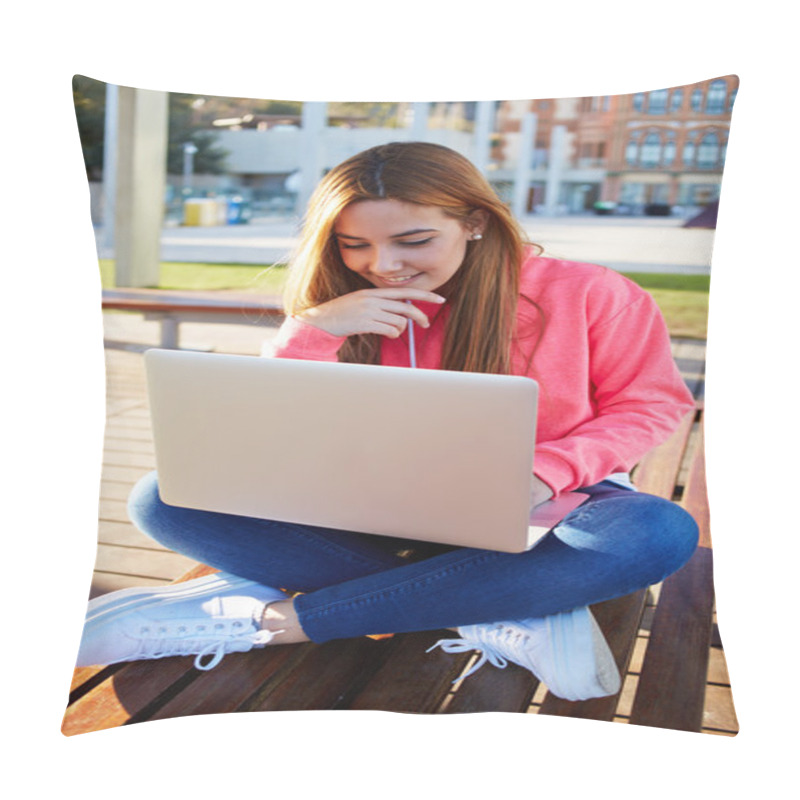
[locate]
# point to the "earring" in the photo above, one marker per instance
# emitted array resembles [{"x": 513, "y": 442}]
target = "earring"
[{"x": 476, "y": 236}]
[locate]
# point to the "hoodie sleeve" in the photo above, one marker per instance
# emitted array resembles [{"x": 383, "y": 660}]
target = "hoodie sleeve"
[
  {"x": 298, "y": 339},
  {"x": 637, "y": 393}
]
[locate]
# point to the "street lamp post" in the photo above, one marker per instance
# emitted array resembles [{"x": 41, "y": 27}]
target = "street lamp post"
[{"x": 189, "y": 150}]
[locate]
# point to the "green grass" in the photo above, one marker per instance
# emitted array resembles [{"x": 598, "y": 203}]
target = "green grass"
[
  {"x": 662, "y": 280},
  {"x": 263, "y": 278},
  {"x": 683, "y": 299}
]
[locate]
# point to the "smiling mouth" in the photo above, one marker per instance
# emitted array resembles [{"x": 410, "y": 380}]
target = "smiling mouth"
[{"x": 402, "y": 278}]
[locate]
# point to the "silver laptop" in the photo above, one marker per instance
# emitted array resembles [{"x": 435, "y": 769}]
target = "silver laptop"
[{"x": 418, "y": 454}]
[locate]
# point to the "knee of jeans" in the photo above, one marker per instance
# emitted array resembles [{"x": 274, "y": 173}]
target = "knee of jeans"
[
  {"x": 675, "y": 534},
  {"x": 145, "y": 506},
  {"x": 649, "y": 532}
]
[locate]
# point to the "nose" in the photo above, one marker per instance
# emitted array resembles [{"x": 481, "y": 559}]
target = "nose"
[{"x": 386, "y": 261}]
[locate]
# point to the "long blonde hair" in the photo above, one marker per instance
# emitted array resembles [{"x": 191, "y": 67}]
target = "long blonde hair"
[{"x": 484, "y": 292}]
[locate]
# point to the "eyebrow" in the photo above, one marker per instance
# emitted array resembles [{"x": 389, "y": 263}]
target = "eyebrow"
[{"x": 412, "y": 232}]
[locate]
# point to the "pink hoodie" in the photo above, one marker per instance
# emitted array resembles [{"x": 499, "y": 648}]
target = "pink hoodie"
[{"x": 609, "y": 388}]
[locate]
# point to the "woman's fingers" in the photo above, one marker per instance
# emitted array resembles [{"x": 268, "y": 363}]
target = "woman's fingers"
[
  {"x": 383, "y": 311},
  {"x": 405, "y": 294},
  {"x": 406, "y": 310}
]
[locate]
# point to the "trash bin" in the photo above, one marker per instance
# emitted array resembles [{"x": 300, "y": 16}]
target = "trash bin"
[
  {"x": 238, "y": 211},
  {"x": 201, "y": 211}
]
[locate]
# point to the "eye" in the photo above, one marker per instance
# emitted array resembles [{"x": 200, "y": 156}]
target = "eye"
[
  {"x": 345, "y": 246},
  {"x": 417, "y": 242}
]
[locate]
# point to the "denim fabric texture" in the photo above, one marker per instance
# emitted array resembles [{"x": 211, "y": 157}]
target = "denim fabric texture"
[{"x": 355, "y": 584}]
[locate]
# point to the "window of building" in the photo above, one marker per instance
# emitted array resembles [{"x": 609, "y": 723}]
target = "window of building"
[
  {"x": 669, "y": 151},
  {"x": 657, "y": 102},
  {"x": 731, "y": 99},
  {"x": 638, "y": 101},
  {"x": 689, "y": 150},
  {"x": 697, "y": 194},
  {"x": 632, "y": 193},
  {"x": 631, "y": 152},
  {"x": 715, "y": 100},
  {"x": 676, "y": 100},
  {"x": 651, "y": 151},
  {"x": 606, "y": 102},
  {"x": 708, "y": 151},
  {"x": 697, "y": 100}
]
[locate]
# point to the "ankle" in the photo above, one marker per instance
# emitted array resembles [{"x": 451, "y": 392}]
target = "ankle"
[{"x": 281, "y": 619}]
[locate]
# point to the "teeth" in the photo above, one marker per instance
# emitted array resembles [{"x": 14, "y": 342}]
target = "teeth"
[{"x": 400, "y": 280}]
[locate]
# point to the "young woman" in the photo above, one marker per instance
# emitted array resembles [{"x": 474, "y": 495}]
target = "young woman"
[{"x": 409, "y": 238}]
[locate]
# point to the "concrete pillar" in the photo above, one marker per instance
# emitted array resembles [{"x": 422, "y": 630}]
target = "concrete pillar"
[
  {"x": 527, "y": 139},
  {"x": 484, "y": 125},
  {"x": 141, "y": 180},
  {"x": 555, "y": 168},
  {"x": 419, "y": 125},
  {"x": 314, "y": 120},
  {"x": 110, "y": 163}
]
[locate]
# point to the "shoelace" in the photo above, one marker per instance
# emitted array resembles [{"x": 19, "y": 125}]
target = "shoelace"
[
  {"x": 177, "y": 641},
  {"x": 220, "y": 649},
  {"x": 489, "y": 639}
]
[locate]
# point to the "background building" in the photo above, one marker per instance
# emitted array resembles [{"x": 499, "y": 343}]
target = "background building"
[
  {"x": 646, "y": 152},
  {"x": 659, "y": 152}
]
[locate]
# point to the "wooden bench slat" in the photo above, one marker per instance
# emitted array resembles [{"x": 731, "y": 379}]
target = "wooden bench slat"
[
  {"x": 222, "y": 302},
  {"x": 671, "y": 689},
  {"x": 413, "y": 680},
  {"x": 81, "y": 676},
  {"x": 326, "y": 676},
  {"x": 226, "y": 687},
  {"x": 171, "y": 308},
  {"x": 489, "y": 689},
  {"x": 695, "y": 495},
  {"x": 126, "y": 693},
  {"x": 657, "y": 472}
]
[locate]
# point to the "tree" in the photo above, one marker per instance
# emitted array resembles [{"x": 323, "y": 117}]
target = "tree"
[
  {"x": 209, "y": 158},
  {"x": 89, "y": 97},
  {"x": 367, "y": 115}
]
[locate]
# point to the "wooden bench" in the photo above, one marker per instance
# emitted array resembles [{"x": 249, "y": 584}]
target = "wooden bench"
[
  {"x": 396, "y": 673},
  {"x": 171, "y": 308}
]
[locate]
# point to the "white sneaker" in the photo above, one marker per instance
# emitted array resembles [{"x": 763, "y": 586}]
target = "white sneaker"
[
  {"x": 209, "y": 616},
  {"x": 566, "y": 651}
]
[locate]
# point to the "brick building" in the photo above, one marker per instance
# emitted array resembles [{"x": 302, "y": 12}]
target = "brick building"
[{"x": 649, "y": 150}]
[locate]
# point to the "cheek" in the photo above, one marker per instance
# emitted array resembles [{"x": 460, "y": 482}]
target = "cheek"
[
  {"x": 456, "y": 255},
  {"x": 351, "y": 261}
]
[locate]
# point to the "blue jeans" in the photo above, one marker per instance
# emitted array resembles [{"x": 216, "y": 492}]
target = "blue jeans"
[{"x": 355, "y": 584}]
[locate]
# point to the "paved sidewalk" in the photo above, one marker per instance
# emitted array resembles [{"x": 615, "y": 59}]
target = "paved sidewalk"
[{"x": 627, "y": 244}]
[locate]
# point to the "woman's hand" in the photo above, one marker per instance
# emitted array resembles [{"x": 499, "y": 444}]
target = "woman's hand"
[{"x": 381, "y": 311}]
